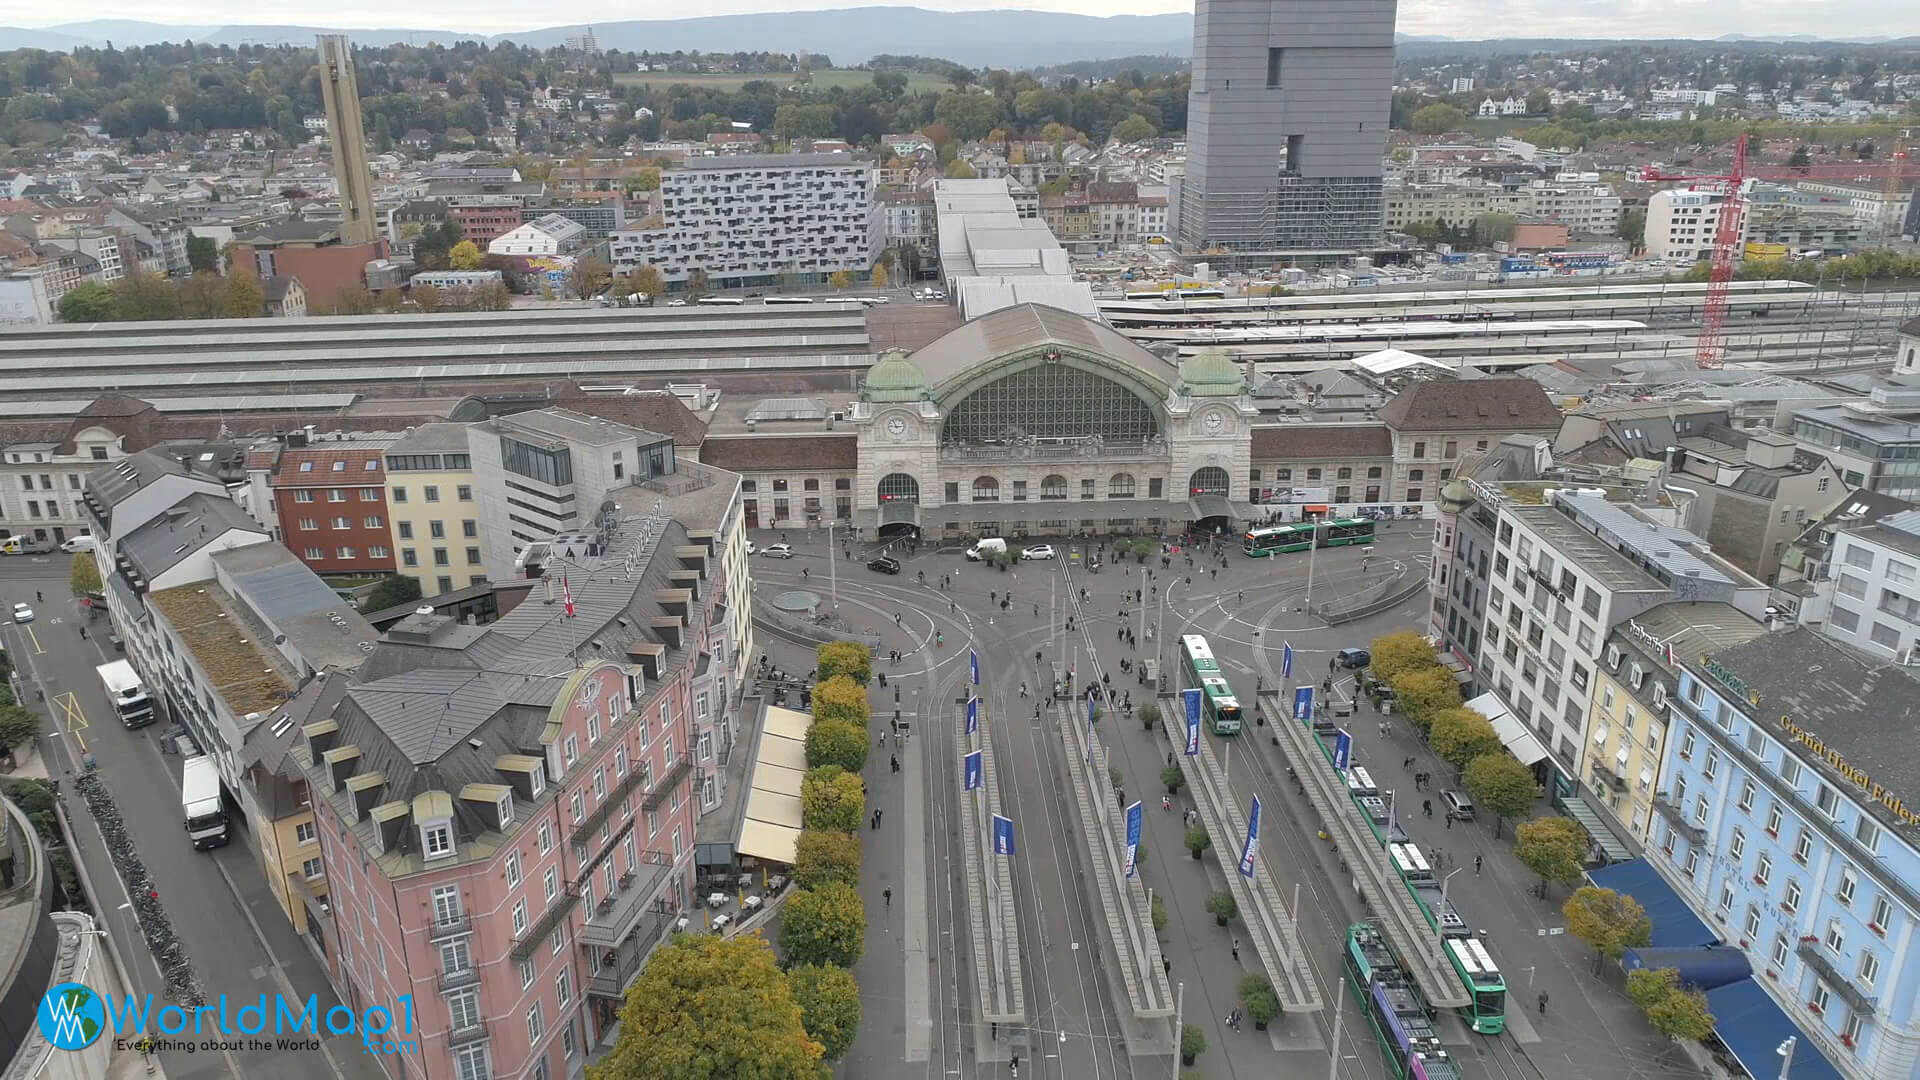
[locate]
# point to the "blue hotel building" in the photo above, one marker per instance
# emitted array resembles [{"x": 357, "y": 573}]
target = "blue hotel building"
[{"x": 1783, "y": 824}]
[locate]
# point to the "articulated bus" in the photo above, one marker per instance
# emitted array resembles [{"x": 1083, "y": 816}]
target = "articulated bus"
[
  {"x": 788, "y": 300},
  {"x": 721, "y": 301},
  {"x": 1401, "y": 1017},
  {"x": 1218, "y": 705},
  {"x": 1301, "y": 535}
]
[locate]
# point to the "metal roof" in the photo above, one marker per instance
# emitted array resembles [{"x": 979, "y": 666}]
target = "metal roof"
[
  {"x": 249, "y": 403},
  {"x": 771, "y": 409},
  {"x": 1674, "y": 550}
]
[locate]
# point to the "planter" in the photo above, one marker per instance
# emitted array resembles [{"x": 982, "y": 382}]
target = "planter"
[
  {"x": 1218, "y": 920},
  {"x": 1196, "y": 858},
  {"x": 1186, "y": 1059},
  {"x": 1259, "y": 1026}
]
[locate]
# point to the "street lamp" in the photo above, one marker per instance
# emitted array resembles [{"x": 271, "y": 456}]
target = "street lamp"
[
  {"x": 1440, "y": 915},
  {"x": 1785, "y": 1050}
]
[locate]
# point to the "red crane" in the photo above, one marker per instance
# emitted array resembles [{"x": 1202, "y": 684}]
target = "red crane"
[{"x": 1726, "y": 241}]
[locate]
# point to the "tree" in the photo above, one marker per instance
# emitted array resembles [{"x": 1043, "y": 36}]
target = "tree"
[
  {"x": 1198, "y": 840},
  {"x": 18, "y": 726},
  {"x": 589, "y": 276},
  {"x": 1489, "y": 229},
  {"x": 393, "y": 591},
  {"x": 829, "y": 1003},
  {"x": 1438, "y": 118},
  {"x": 832, "y": 798},
  {"x": 1460, "y": 735},
  {"x": 830, "y": 742},
  {"x": 203, "y": 255},
  {"x": 1553, "y": 847},
  {"x": 711, "y": 1008},
  {"x": 959, "y": 169},
  {"x": 879, "y": 276},
  {"x": 826, "y": 924},
  {"x": 465, "y": 255},
  {"x": 1609, "y": 922},
  {"x": 822, "y": 855},
  {"x": 1425, "y": 692},
  {"x": 841, "y": 700},
  {"x": 1675, "y": 1011},
  {"x": 199, "y": 295},
  {"x": 1800, "y": 158},
  {"x": 646, "y": 279},
  {"x": 1500, "y": 784},
  {"x": 1401, "y": 651},
  {"x": 1223, "y": 907},
  {"x": 83, "y": 576},
  {"x": 848, "y": 658},
  {"x": 1633, "y": 228},
  {"x": 1193, "y": 1043},
  {"x": 1539, "y": 101},
  {"x": 839, "y": 279},
  {"x": 1133, "y": 129},
  {"x": 1256, "y": 993},
  {"x": 87, "y": 302},
  {"x": 241, "y": 296},
  {"x": 1149, "y": 715},
  {"x": 699, "y": 283}
]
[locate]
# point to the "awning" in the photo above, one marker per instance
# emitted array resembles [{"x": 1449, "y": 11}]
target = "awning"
[
  {"x": 1206, "y": 506},
  {"x": 1752, "y": 1026},
  {"x": 770, "y": 826},
  {"x": 771, "y": 842},
  {"x": 1513, "y": 734},
  {"x": 1703, "y": 968},
  {"x": 1597, "y": 828},
  {"x": 1674, "y": 923}
]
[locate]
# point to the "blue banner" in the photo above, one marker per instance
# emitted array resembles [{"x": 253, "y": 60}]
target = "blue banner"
[
  {"x": 973, "y": 765},
  {"x": 1133, "y": 835},
  {"x": 973, "y": 715},
  {"x": 1253, "y": 839},
  {"x": 1303, "y": 704},
  {"x": 1286, "y": 660},
  {"x": 1192, "y": 698},
  {"x": 1002, "y": 835},
  {"x": 1342, "y": 750},
  {"x": 973, "y": 662}
]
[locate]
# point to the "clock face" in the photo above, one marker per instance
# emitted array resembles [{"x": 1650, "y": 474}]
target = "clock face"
[
  {"x": 896, "y": 426},
  {"x": 1214, "y": 423}
]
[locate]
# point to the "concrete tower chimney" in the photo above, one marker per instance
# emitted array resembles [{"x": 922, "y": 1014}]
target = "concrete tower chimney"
[{"x": 347, "y": 133}]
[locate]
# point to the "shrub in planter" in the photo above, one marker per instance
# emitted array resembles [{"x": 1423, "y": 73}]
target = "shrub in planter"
[
  {"x": 1262, "y": 1004},
  {"x": 1223, "y": 907},
  {"x": 1198, "y": 841},
  {"x": 1149, "y": 715},
  {"x": 1193, "y": 1043},
  {"x": 1173, "y": 778}
]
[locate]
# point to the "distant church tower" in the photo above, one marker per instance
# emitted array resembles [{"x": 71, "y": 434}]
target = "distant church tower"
[{"x": 347, "y": 132}]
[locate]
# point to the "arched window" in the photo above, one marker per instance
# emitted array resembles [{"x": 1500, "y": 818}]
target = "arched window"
[
  {"x": 1344, "y": 474},
  {"x": 1054, "y": 400},
  {"x": 1210, "y": 480},
  {"x": 986, "y": 489},
  {"x": 1313, "y": 474},
  {"x": 1120, "y": 486},
  {"x": 899, "y": 487},
  {"x": 1053, "y": 487}
]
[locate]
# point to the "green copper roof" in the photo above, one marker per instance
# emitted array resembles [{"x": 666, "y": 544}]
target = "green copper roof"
[
  {"x": 894, "y": 378},
  {"x": 1211, "y": 374}
]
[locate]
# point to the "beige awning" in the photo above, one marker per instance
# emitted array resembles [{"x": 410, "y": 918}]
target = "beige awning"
[
  {"x": 781, "y": 753},
  {"x": 773, "y": 843},
  {"x": 771, "y": 824},
  {"x": 787, "y": 723},
  {"x": 1513, "y": 734}
]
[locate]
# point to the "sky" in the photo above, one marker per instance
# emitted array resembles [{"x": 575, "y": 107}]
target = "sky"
[{"x": 1466, "y": 19}]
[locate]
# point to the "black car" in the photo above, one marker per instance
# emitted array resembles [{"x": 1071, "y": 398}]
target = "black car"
[
  {"x": 1355, "y": 658},
  {"x": 884, "y": 565}
]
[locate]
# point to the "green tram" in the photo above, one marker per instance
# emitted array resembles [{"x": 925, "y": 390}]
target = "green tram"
[
  {"x": 1217, "y": 705},
  {"x": 1301, "y": 535}
]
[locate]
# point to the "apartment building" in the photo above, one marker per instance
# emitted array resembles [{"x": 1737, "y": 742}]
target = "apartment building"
[
  {"x": 516, "y": 876},
  {"x": 1682, "y": 223},
  {"x": 907, "y": 220},
  {"x": 549, "y": 234},
  {"x": 750, "y": 219},
  {"x": 1785, "y": 827},
  {"x": 108, "y": 248},
  {"x": 1874, "y": 441},
  {"x": 1868, "y": 595},
  {"x": 548, "y": 472},
  {"x": 330, "y": 498},
  {"x": 1580, "y": 201},
  {"x": 1324, "y": 463},
  {"x": 1451, "y": 204},
  {"x": 1114, "y": 207},
  {"x": 1435, "y": 422},
  {"x": 1808, "y": 560},
  {"x": 1870, "y": 204},
  {"x": 1637, "y": 674},
  {"x": 598, "y": 212},
  {"x": 434, "y": 513}
]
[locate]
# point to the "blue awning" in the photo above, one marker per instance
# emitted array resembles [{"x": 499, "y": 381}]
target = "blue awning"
[
  {"x": 1753, "y": 1027},
  {"x": 1674, "y": 923},
  {"x": 1701, "y": 968}
]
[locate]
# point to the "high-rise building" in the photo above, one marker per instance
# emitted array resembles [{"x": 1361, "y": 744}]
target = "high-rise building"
[
  {"x": 1286, "y": 127},
  {"x": 341, "y": 93}
]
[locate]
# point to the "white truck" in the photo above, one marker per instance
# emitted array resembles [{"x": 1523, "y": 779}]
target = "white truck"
[
  {"x": 131, "y": 702},
  {"x": 206, "y": 818}
]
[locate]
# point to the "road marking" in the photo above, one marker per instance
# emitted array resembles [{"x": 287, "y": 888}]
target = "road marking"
[
  {"x": 67, "y": 708},
  {"x": 35, "y": 638}
]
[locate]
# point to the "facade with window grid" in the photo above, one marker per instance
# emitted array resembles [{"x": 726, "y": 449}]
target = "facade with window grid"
[
  {"x": 433, "y": 509},
  {"x": 331, "y": 500}
]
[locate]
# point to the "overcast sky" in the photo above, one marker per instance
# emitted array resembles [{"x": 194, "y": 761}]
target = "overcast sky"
[{"x": 1452, "y": 18}]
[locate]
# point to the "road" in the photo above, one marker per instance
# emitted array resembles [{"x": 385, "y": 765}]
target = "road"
[{"x": 240, "y": 942}]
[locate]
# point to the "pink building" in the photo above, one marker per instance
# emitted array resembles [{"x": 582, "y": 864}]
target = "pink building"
[{"x": 507, "y": 811}]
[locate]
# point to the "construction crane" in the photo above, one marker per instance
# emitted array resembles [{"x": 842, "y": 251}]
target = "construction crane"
[
  {"x": 1891, "y": 217},
  {"x": 1710, "y": 352}
]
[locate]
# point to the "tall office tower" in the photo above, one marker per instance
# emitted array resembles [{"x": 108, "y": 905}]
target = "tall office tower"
[
  {"x": 359, "y": 224},
  {"x": 1286, "y": 126}
]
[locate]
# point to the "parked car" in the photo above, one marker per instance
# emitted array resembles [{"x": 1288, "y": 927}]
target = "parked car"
[
  {"x": 884, "y": 565},
  {"x": 1038, "y": 551},
  {"x": 77, "y": 544},
  {"x": 778, "y": 551},
  {"x": 1353, "y": 659},
  {"x": 676, "y": 303},
  {"x": 22, "y": 613}
]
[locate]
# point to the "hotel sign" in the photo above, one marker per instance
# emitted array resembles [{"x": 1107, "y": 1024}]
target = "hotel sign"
[
  {"x": 1859, "y": 776},
  {"x": 1731, "y": 681}
]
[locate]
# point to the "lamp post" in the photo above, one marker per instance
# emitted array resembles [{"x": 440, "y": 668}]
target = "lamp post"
[
  {"x": 1785, "y": 1050},
  {"x": 1439, "y": 916}
]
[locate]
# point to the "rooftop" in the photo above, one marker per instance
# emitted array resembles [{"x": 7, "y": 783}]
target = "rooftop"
[
  {"x": 727, "y": 162},
  {"x": 185, "y": 528},
  {"x": 564, "y": 427},
  {"x": 1477, "y": 405},
  {"x": 1676, "y": 555},
  {"x": 247, "y": 674},
  {"x": 280, "y": 592},
  {"x": 1614, "y": 571},
  {"x": 432, "y": 439},
  {"x": 1010, "y": 330},
  {"x": 1675, "y": 633}
]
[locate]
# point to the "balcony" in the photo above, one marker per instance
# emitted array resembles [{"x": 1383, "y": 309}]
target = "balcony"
[
  {"x": 1815, "y": 957},
  {"x": 455, "y": 980},
  {"x": 459, "y": 923},
  {"x": 675, "y": 773},
  {"x": 1678, "y": 818},
  {"x": 614, "y": 917},
  {"x": 611, "y": 979},
  {"x": 555, "y": 914},
  {"x": 472, "y": 1033}
]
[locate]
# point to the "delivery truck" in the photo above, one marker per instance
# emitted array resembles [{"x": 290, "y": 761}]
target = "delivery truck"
[
  {"x": 131, "y": 702},
  {"x": 206, "y": 816}
]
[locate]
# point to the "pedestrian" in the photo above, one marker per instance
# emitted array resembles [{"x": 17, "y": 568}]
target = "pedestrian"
[
  {"x": 1169, "y": 758},
  {"x": 894, "y": 760},
  {"x": 1236, "y": 948},
  {"x": 882, "y": 740},
  {"x": 896, "y": 618},
  {"x": 1476, "y": 865},
  {"x": 1023, "y": 689},
  {"x": 805, "y": 573},
  {"x": 1166, "y": 965},
  {"x": 39, "y": 597},
  {"x": 1406, "y": 763},
  {"x": 887, "y": 895},
  {"x": 895, "y": 722},
  {"x": 1426, "y": 807},
  {"x": 1036, "y": 611},
  {"x": 876, "y": 818},
  {"x": 1543, "y": 1003},
  {"x": 1449, "y": 818},
  {"x": 83, "y": 633},
  {"x": 1013, "y": 1066},
  {"x": 1331, "y": 660}
]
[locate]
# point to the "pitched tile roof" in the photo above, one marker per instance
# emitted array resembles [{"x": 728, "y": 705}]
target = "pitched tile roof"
[
  {"x": 754, "y": 453},
  {"x": 1321, "y": 442},
  {"x": 653, "y": 410},
  {"x": 1476, "y": 405}
]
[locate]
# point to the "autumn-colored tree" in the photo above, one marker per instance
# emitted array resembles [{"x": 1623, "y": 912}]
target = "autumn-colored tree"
[
  {"x": 143, "y": 295},
  {"x": 465, "y": 255},
  {"x": 426, "y": 299},
  {"x": 1460, "y": 735},
  {"x": 83, "y": 576},
  {"x": 1676, "y": 1011},
  {"x": 646, "y": 279},
  {"x": 830, "y": 742},
  {"x": 839, "y": 279},
  {"x": 842, "y": 700},
  {"x": 1424, "y": 693},
  {"x": 829, "y": 1002},
  {"x": 1501, "y": 785},
  {"x": 959, "y": 169},
  {"x": 241, "y": 296},
  {"x": 1398, "y": 652},
  {"x": 1553, "y": 847},
  {"x": 822, "y": 855},
  {"x": 849, "y": 658},
  {"x": 589, "y": 276},
  {"x": 826, "y": 924},
  {"x": 711, "y": 1008},
  {"x": 832, "y": 798},
  {"x": 490, "y": 296},
  {"x": 199, "y": 295},
  {"x": 1609, "y": 922},
  {"x": 879, "y": 276}
]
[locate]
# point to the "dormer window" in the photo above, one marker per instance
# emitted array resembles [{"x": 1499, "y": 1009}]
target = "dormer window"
[
  {"x": 506, "y": 810},
  {"x": 1636, "y": 675},
  {"x": 537, "y": 777},
  {"x": 436, "y": 840},
  {"x": 1613, "y": 657}
]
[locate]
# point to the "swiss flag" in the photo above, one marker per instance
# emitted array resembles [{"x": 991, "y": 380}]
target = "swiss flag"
[{"x": 566, "y": 593}]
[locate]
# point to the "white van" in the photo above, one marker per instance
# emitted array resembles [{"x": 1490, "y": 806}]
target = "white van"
[
  {"x": 987, "y": 548},
  {"x": 25, "y": 545},
  {"x": 78, "y": 544}
]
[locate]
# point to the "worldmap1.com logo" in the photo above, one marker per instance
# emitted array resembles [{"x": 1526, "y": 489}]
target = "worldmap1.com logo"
[{"x": 72, "y": 1017}]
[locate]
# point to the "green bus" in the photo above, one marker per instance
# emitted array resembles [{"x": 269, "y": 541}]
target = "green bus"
[
  {"x": 1300, "y": 535},
  {"x": 1217, "y": 703}
]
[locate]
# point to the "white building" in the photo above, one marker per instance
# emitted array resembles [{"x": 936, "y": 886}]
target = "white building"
[
  {"x": 1153, "y": 212},
  {"x": 1872, "y": 588},
  {"x": 549, "y": 234},
  {"x": 1580, "y": 201},
  {"x": 1682, "y": 223},
  {"x": 1462, "y": 84},
  {"x": 751, "y": 218},
  {"x": 1512, "y": 106},
  {"x": 1868, "y": 201},
  {"x": 1672, "y": 96}
]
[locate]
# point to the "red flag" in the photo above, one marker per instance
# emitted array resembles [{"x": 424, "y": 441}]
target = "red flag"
[{"x": 567, "y": 593}]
